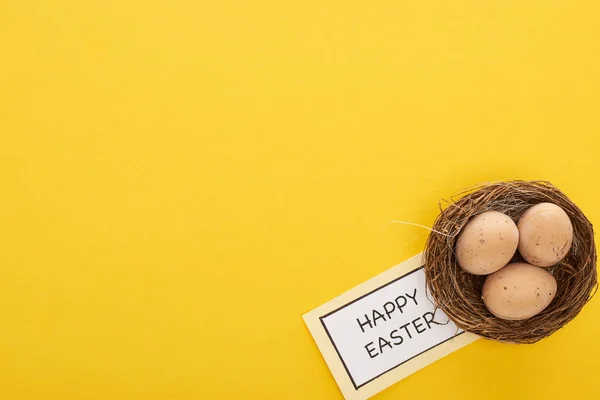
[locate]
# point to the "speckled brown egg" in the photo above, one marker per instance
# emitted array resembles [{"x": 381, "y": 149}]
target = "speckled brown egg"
[
  {"x": 518, "y": 291},
  {"x": 487, "y": 243},
  {"x": 546, "y": 234}
]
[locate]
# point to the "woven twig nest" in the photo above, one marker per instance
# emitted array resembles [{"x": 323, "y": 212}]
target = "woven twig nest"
[{"x": 458, "y": 293}]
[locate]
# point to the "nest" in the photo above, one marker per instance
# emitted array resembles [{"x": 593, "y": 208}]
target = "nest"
[{"x": 458, "y": 293}]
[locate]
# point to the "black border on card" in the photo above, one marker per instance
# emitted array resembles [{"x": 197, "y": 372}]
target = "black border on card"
[{"x": 356, "y": 387}]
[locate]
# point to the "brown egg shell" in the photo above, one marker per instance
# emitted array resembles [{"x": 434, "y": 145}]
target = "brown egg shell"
[
  {"x": 487, "y": 243},
  {"x": 518, "y": 291},
  {"x": 545, "y": 234}
]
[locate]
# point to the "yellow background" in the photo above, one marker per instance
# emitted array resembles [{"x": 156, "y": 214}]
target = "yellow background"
[{"x": 182, "y": 180}]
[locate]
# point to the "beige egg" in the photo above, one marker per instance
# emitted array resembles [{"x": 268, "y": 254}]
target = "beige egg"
[
  {"x": 545, "y": 234},
  {"x": 487, "y": 243},
  {"x": 518, "y": 291}
]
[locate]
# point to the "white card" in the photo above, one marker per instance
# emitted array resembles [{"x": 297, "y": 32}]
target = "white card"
[{"x": 382, "y": 331}]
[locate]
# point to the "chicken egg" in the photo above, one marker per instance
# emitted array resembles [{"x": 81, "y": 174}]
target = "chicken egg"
[
  {"x": 487, "y": 243},
  {"x": 545, "y": 234},
  {"x": 518, "y": 291}
]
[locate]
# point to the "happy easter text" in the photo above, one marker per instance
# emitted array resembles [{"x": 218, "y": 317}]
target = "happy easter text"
[{"x": 389, "y": 311}]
